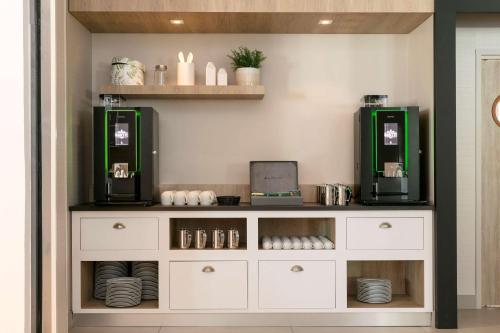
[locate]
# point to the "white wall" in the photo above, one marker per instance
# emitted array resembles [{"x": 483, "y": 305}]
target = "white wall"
[
  {"x": 14, "y": 197},
  {"x": 421, "y": 93},
  {"x": 79, "y": 125},
  {"x": 473, "y": 33},
  {"x": 79, "y": 109},
  {"x": 314, "y": 84}
]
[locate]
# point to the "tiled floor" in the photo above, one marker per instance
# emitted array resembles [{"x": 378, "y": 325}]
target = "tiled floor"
[{"x": 470, "y": 321}]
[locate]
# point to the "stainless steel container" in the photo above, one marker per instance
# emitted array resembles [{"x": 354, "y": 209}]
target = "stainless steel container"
[
  {"x": 184, "y": 238},
  {"x": 200, "y": 239},
  {"x": 342, "y": 194},
  {"x": 326, "y": 194},
  {"x": 218, "y": 238},
  {"x": 233, "y": 239}
]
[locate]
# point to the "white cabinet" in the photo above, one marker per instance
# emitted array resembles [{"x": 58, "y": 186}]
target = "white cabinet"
[
  {"x": 119, "y": 233},
  {"x": 380, "y": 233},
  {"x": 253, "y": 286},
  {"x": 296, "y": 284},
  {"x": 200, "y": 285}
]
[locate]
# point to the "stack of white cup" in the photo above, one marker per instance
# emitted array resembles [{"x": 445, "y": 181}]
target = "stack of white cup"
[{"x": 190, "y": 198}]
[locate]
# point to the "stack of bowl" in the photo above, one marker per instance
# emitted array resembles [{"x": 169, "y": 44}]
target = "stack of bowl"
[
  {"x": 105, "y": 270},
  {"x": 147, "y": 271},
  {"x": 374, "y": 291},
  {"x": 123, "y": 292}
]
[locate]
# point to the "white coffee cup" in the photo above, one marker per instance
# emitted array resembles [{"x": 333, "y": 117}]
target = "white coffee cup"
[
  {"x": 193, "y": 198},
  {"x": 207, "y": 198},
  {"x": 180, "y": 198},
  {"x": 167, "y": 198}
]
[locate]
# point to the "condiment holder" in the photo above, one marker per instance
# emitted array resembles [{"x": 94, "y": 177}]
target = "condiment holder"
[{"x": 185, "y": 70}]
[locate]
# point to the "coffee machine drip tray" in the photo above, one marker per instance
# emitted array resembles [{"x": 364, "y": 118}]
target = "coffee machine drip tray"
[{"x": 390, "y": 186}]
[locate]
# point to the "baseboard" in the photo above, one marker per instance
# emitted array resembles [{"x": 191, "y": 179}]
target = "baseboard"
[
  {"x": 467, "y": 302},
  {"x": 276, "y": 319}
]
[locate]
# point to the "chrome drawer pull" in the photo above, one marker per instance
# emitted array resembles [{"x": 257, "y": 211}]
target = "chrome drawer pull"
[
  {"x": 119, "y": 226},
  {"x": 297, "y": 269},
  {"x": 208, "y": 269},
  {"x": 385, "y": 225}
]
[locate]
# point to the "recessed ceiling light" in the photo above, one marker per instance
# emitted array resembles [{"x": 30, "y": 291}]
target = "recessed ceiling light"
[
  {"x": 177, "y": 21},
  {"x": 325, "y": 22}
]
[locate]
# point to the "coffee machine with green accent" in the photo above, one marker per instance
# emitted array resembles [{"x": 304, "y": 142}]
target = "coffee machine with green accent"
[
  {"x": 387, "y": 155},
  {"x": 125, "y": 155}
]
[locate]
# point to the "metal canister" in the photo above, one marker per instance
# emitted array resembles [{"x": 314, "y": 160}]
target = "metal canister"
[
  {"x": 233, "y": 239},
  {"x": 218, "y": 238},
  {"x": 184, "y": 238},
  {"x": 326, "y": 194},
  {"x": 200, "y": 239},
  {"x": 343, "y": 194}
]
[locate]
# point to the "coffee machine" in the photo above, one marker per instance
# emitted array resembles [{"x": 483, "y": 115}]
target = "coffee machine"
[
  {"x": 125, "y": 155},
  {"x": 387, "y": 155}
]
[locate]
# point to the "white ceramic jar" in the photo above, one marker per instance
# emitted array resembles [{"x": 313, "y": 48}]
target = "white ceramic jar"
[
  {"x": 126, "y": 71},
  {"x": 248, "y": 76}
]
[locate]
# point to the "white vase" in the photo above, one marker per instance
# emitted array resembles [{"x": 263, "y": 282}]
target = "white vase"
[{"x": 248, "y": 76}]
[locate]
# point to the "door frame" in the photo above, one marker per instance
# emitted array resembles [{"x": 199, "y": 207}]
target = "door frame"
[{"x": 481, "y": 54}]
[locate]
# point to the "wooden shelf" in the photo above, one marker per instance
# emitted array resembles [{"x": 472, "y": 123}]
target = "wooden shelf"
[
  {"x": 398, "y": 301},
  {"x": 260, "y": 16},
  {"x": 407, "y": 277},
  {"x": 100, "y": 304},
  {"x": 185, "y": 92}
]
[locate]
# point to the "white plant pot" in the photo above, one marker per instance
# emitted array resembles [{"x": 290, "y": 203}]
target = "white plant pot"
[
  {"x": 248, "y": 76},
  {"x": 125, "y": 71}
]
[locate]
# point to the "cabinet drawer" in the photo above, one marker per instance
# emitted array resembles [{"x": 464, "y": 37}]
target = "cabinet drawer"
[
  {"x": 296, "y": 284},
  {"x": 377, "y": 233},
  {"x": 119, "y": 233},
  {"x": 200, "y": 285}
]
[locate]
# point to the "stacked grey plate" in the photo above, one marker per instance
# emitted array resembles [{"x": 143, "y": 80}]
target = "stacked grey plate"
[
  {"x": 123, "y": 292},
  {"x": 147, "y": 271},
  {"x": 105, "y": 270},
  {"x": 374, "y": 291}
]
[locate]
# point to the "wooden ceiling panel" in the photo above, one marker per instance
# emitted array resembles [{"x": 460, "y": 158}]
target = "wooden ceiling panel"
[{"x": 239, "y": 16}]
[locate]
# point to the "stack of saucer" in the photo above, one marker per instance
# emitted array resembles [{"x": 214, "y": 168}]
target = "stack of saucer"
[
  {"x": 123, "y": 292},
  {"x": 105, "y": 270},
  {"x": 374, "y": 291},
  {"x": 147, "y": 271}
]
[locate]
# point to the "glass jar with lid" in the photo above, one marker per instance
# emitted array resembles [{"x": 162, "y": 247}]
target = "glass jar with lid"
[{"x": 160, "y": 78}]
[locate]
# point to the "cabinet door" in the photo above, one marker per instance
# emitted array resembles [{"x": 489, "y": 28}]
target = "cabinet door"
[
  {"x": 199, "y": 285},
  {"x": 379, "y": 233},
  {"x": 119, "y": 233},
  {"x": 296, "y": 284}
]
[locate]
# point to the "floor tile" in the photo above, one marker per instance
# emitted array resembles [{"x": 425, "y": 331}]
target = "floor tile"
[
  {"x": 226, "y": 330},
  {"x": 115, "y": 330}
]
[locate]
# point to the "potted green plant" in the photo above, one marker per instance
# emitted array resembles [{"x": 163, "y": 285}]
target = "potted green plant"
[{"x": 246, "y": 64}]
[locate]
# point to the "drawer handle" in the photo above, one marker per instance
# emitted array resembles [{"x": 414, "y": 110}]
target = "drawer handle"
[
  {"x": 119, "y": 226},
  {"x": 385, "y": 225},
  {"x": 208, "y": 269},
  {"x": 297, "y": 269}
]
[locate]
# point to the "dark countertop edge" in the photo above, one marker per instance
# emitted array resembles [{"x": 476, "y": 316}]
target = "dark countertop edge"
[{"x": 245, "y": 207}]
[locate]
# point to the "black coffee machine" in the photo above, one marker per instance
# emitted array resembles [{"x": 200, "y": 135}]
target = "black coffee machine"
[
  {"x": 387, "y": 155},
  {"x": 125, "y": 155}
]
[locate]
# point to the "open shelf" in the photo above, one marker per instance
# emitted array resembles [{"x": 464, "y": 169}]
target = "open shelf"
[
  {"x": 185, "y": 92},
  {"x": 398, "y": 301},
  {"x": 240, "y": 16},
  {"x": 208, "y": 224},
  {"x": 87, "y": 292},
  {"x": 407, "y": 279},
  {"x": 297, "y": 227}
]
